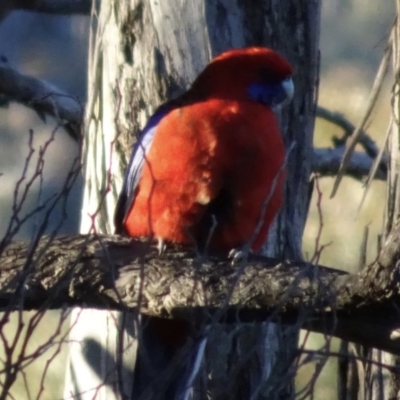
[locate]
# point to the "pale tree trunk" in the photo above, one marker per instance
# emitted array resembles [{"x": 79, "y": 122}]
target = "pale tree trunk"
[
  {"x": 144, "y": 52},
  {"x": 102, "y": 349}
]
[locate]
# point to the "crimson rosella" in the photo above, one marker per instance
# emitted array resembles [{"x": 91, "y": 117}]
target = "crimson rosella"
[
  {"x": 207, "y": 161},
  {"x": 208, "y": 168}
]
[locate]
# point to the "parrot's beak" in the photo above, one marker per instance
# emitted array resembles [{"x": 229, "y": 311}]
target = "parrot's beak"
[{"x": 288, "y": 87}]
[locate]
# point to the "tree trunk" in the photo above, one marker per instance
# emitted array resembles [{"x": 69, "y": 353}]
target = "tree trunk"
[{"x": 142, "y": 54}]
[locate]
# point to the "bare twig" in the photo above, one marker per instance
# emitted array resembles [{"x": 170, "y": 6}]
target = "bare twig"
[
  {"x": 379, "y": 159},
  {"x": 353, "y": 140},
  {"x": 319, "y": 248},
  {"x": 327, "y": 161},
  {"x": 348, "y": 127}
]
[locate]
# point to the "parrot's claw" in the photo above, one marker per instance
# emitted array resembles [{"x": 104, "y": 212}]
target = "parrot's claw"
[
  {"x": 161, "y": 246},
  {"x": 238, "y": 255}
]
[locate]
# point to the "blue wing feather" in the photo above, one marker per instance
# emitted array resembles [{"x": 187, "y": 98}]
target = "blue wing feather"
[{"x": 135, "y": 167}]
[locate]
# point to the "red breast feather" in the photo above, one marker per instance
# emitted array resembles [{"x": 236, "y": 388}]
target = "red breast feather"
[{"x": 215, "y": 159}]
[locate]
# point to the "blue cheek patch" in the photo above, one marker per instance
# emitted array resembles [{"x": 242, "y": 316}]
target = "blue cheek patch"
[{"x": 269, "y": 94}]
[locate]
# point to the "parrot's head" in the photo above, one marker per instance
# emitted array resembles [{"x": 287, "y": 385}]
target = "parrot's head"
[{"x": 254, "y": 73}]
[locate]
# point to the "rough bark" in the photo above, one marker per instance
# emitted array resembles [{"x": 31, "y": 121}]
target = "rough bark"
[{"x": 114, "y": 273}]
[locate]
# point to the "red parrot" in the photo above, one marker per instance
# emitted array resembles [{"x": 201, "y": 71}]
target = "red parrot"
[
  {"x": 208, "y": 168},
  {"x": 211, "y": 156}
]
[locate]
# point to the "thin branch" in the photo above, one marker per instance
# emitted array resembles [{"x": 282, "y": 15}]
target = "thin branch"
[
  {"x": 106, "y": 272},
  {"x": 326, "y": 162},
  {"x": 353, "y": 140},
  {"x": 42, "y": 97},
  {"x": 377, "y": 164},
  {"x": 348, "y": 127},
  {"x": 58, "y": 7}
]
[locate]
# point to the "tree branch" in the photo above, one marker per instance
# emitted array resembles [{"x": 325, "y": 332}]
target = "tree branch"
[
  {"x": 42, "y": 97},
  {"x": 359, "y": 165},
  {"x": 348, "y": 127},
  {"x": 59, "y": 7},
  {"x": 326, "y": 162},
  {"x": 118, "y": 273}
]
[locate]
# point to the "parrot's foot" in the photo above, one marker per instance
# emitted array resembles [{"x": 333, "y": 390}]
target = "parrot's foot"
[
  {"x": 161, "y": 246},
  {"x": 239, "y": 254}
]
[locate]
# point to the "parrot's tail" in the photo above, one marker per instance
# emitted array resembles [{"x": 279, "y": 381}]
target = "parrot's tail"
[{"x": 168, "y": 360}]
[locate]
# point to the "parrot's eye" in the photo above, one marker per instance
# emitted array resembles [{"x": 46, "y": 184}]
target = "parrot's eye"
[{"x": 267, "y": 76}]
